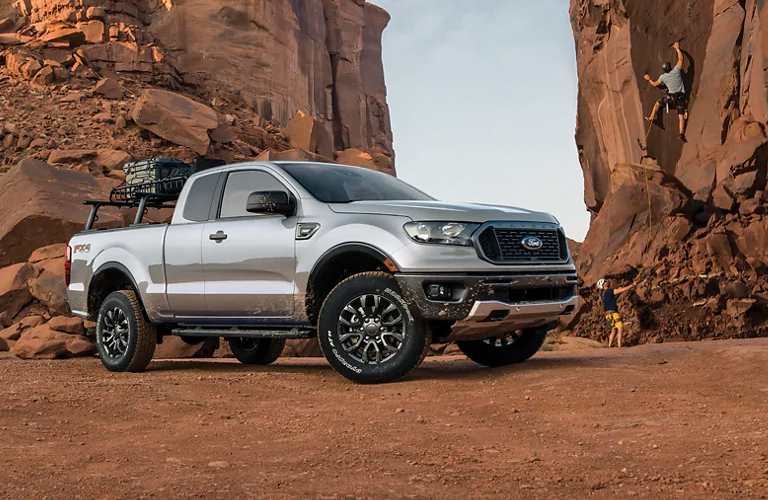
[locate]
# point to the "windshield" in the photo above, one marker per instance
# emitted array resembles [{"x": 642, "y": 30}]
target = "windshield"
[{"x": 341, "y": 184}]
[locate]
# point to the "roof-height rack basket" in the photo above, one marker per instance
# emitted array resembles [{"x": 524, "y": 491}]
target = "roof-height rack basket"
[{"x": 154, "y": 176}]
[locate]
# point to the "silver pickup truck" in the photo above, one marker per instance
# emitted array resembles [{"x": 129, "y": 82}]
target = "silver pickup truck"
[{"x": 261, "y": 252}]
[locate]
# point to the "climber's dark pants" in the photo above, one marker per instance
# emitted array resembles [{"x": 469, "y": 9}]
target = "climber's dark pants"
[{"x": 677, "y": 101}]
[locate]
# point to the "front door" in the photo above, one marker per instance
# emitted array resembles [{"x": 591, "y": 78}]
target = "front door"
[{"x": 248, "y": 260}]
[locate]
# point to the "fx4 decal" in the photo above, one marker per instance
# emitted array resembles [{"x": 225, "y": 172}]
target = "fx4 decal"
[{"x": 81, "y": 248}]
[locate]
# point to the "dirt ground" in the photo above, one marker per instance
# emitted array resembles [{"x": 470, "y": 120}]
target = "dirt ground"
[{"x": 657, "y": 421}]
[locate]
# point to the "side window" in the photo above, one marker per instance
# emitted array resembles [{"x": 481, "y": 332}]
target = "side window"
[
  {"x": 240, "y": 185},
  {"x": 200, "y": 198}
]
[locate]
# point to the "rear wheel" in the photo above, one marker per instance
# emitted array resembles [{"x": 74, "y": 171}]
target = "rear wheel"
[
  {"x": 251, "y": 351},
  {"x": 512, "y": 348},
  {"x": 125, "y": 339},
  {"x": 367, "y": 332}
]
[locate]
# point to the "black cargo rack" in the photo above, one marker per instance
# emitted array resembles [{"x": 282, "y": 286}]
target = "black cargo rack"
[
  {"x": 151, "y": 183},
  {"x": 148, "y": 200},
  {"x": 152, "y": 176}
]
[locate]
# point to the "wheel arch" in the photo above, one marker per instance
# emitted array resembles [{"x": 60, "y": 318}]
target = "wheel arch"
[
  {"x": 109, "y": 277},
  {"x": 339, "y": 263}
]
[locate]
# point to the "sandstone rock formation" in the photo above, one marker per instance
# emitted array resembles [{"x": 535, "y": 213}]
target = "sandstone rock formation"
[
  {"x": 685, "y": 222},
  {"x": 321, "y": 57}
]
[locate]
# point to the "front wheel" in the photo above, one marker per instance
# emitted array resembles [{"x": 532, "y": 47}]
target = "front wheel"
[
  {"x": 510, "y": 349},
  {"x": 367, "y": 332},
  {"x": 125, "y": 339},
  {"x": 251, "y": 351}
]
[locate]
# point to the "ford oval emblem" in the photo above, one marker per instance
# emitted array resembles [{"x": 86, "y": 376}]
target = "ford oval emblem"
[{"x": 532, "y": 243}]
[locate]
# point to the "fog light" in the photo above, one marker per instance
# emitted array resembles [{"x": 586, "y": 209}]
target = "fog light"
[{"x": 439, "y": 292}]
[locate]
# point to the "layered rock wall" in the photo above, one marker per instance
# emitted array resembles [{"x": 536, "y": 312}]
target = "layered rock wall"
[{"x": 321, "y": 57}]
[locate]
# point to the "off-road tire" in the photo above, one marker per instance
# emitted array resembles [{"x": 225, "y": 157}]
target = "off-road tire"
[
  {"x": 256, "y": 351},
  {"x": 142, "y": 335},
  {"x": 412, "y": 350},
  {"x": 491, "y": 355}
]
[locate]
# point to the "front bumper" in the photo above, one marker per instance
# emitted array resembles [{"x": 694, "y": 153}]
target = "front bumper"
[{"x": 492, "y": 305}]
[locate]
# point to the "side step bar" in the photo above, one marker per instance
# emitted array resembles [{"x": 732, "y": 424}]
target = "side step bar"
[{"x": 293, "y": 333}]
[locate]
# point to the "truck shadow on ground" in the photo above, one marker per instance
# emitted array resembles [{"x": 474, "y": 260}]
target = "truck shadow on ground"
[{"x": 453, "y": 368}]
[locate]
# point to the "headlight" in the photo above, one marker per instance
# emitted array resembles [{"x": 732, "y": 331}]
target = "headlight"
[{"x": 444, "y": 233}]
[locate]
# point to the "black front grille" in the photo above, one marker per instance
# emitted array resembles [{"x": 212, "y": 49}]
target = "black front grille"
[
  {"x": 505, "y": 245},
  {"x": 517, "y": 295}
]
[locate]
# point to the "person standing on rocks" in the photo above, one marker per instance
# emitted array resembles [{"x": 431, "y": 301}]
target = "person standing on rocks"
[
  {"x": 612, "y": 317},
  {"x": 675, "y": 96}
]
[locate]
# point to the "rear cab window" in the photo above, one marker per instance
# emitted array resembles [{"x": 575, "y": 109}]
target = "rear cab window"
[{"x": 197, "y": 207}]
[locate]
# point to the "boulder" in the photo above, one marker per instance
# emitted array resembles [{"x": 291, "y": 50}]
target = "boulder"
[
  {"x": 45, "y": 76},
  {"x": 14, "y": 331},
  {"x": 739, "y": 307},
  {"x": 42, "y": 342},
  {"x": 306, "y": 132},
  {"x": 14, "y": 292},
  {"x": 105, "y": 117},
  {"x": 175, "y": 348},
  {"x": 302, "y": 348},
  {"x": 67, "y": 324},
  {"x": 175, "y": 118},
  {"x": 22, "y": 64},
  {"x": 49, "y": 289},
  {"x": 111, "y": 159},
  {"x": 62, "y": 74},
  {"x": 13, "y": 39},
  {"x": 95, "y": 13},
  {"x": 64, "y": 156},
  {"x": 4, "y": 345},
  {"x": 223, "y": 134},
  {"x": 60, "y": 34},
  {"x": 109, "y": 88},
  {"x": 42, "y": 205},
  {"x": 722, "y": 199},
  {"x": 94, "y": 31},
  {"x": 752, "y": 239}
]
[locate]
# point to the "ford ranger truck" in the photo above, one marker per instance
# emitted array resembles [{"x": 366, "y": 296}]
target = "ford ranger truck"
[{"x": 374, "y": 268}]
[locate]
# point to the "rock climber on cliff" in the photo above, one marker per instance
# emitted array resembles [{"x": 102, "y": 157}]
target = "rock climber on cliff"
[
  {"x": 612, "y": 317},
  {"x": 676, "y": 95}
]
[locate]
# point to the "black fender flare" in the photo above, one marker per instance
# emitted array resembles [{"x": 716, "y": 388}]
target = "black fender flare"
[
  {"x": 107, "y": 266},
  {"x": 364, "y": 248},
  {"x": 117, "y": 266}
]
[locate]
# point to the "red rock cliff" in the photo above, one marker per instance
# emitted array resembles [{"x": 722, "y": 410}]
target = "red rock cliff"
[
  {"x": 686, "y": 221},
  {"x": 322, "y": 57}
]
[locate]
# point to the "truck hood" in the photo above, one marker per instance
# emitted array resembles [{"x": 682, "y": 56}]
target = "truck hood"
[{"x": 442, "y": 211}]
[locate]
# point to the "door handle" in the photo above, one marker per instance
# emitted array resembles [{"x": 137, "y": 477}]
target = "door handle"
[{"x": 218, "y": 237}]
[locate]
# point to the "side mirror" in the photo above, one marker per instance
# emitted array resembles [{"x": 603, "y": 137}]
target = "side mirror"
[{"x": 271, "y": 202}]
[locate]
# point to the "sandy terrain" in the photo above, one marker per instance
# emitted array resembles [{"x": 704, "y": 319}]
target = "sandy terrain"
[{"x": 660, "y": 421}]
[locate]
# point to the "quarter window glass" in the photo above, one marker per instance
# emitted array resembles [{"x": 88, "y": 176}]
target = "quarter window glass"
[
  {"x": 200, "y": 197},
  {"x": 240, "y": 185}
]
